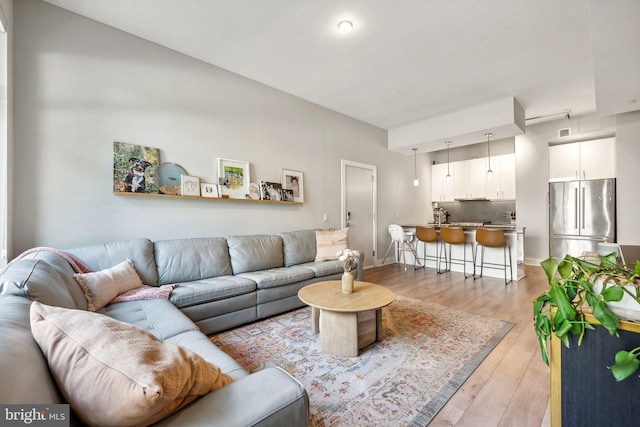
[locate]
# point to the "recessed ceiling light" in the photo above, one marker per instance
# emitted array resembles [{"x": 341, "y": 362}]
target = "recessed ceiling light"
[{"x": 345, "y": 27}]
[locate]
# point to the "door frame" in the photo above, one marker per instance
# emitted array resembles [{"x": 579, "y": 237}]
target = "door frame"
[{"x": 343, "y": 199}]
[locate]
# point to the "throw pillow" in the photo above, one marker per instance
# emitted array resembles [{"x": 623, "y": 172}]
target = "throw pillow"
[
  {"x": 100, "y": 287},
  {"x": 329, "y": 243},
  {"x": 116, "y": 374}
]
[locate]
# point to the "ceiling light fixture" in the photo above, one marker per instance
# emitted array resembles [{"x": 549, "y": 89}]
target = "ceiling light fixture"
[
  {"x": 345, "y": 27},
  {"x": 489, "y": 172},
  {"x": 415, "y": 169},
  {"x": 448, "y": 177}
]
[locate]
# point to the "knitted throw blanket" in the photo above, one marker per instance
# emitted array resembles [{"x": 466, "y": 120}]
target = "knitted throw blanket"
[{"x": 142, "y": 293}]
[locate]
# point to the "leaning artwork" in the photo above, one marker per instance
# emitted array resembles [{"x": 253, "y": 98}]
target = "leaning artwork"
[{"x": 135, "y": 168}]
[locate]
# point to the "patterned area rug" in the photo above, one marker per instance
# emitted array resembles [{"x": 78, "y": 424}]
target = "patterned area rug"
[{"x": 427, "y": 353}]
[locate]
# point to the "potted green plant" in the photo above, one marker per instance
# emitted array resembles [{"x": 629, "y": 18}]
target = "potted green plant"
[{"x": 575, "y": 291}]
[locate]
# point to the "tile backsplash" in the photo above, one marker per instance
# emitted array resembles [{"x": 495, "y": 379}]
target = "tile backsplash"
[{"x": 495, "y": 212}]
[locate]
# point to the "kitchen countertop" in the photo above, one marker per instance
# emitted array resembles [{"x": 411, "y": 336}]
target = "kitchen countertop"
[{"x": 466, "y": 226}]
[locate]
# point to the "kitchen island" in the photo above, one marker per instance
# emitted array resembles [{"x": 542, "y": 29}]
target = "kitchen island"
[{"x": 514, "y": 236}]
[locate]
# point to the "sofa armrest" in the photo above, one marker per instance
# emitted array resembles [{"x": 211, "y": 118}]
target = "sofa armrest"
[
  {"x": 270, "y": 397},
  {"x": 360, "y": 266}
]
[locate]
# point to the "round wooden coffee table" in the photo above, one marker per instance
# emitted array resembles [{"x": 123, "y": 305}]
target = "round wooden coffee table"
[{"x": 347, "y": 322}]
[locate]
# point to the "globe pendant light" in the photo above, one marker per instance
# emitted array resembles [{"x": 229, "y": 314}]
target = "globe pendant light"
[
  {"x": 489, "y": 172},
  {"x": 415, "y": 169}
]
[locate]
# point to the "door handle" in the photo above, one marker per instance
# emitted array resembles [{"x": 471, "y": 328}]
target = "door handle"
[
  {"x": 583, "y": 206},
  {"x": 575, "y": 217}
]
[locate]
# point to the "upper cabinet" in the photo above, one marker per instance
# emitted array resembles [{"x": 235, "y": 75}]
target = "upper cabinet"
[
  {"x": 503, "y": 183},
  {"x": 469, "y": 179},
  {"x": 582, "y": 160},
  {"x": 441, "y": 190}
]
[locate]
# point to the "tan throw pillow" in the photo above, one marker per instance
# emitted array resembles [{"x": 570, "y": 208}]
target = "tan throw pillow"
[
  {"x": 101, "y": 287},
  {"x": 116, "y": 374},
  {"x": 329, "y": 243}
]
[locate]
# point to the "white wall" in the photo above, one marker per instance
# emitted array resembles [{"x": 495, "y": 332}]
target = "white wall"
[
  {"x": 80, "y": 86},
  {"x": 628, "y": 183}
]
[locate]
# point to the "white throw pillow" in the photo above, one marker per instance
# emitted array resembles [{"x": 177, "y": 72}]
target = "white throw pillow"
[{"x": 101, "y": 287}]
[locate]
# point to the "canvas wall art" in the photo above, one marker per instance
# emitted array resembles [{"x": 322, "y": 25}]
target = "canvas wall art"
[{"x": 135, "y": 168}]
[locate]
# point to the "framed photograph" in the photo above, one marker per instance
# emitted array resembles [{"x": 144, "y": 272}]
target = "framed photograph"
[
  {"x": 190, "y": 185},
  {"x": 287, "y": 195},
  {"x": 270, "y": 190},
  {"x": 254, "y": 191},
  {"x": 234, "y": 179},
  {"x": 209, "y": 190},
  {"x": 292, "y": 180},
  {"x": 135, "y": 168}
]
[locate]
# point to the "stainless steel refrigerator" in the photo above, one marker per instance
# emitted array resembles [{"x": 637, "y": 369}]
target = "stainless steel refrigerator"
[{"x": 581, "y": 215}]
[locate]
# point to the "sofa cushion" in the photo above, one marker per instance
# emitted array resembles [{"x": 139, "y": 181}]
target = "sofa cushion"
[
  {"x": 253, "y": 253},
  {"x": 298, "y": 246},
  {"x": 131, "y": 377},
  {"x": 329, "y": 243},
  {"x": 100, "y": 287},
  {"x": 38, "y": 281},
  {"x": 214, "y": 289},
  {"x": 63, "y": 267},
  {"x": 185, "y": 260},
  {"x": 106, "y": 255},
  {"x": 324, "y": 268},
  {"x": 158, "y": 317},
  {"x": 278, "y": 276}
]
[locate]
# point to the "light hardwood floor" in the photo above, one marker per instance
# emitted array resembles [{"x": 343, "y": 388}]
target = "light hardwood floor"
[{"x": 511, "y": 386}]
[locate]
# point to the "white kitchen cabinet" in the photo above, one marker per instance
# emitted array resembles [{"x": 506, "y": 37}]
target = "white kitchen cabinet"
[
  {"x": 441, "y": 190},
  {"x": 503, "y": 183},
  {"x": 582, "y": 160},
  {"x": 471, "y": 179}
]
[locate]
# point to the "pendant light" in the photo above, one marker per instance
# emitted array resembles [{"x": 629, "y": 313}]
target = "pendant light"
[
  {"x": 448, "y": 177},
  {"x": 489, "y": 172},
  {"x": 415, "y": 169}
]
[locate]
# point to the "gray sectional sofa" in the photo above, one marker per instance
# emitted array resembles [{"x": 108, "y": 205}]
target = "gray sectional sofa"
[{"x": 222, "y": 283}]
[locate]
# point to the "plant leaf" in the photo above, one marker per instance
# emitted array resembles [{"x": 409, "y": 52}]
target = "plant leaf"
[
  {"x": 612, "y": 293},
  {"x": 550, "y": 267},
  {"x": 606, "y": 317},
  {"x": 626, "y": 365}
]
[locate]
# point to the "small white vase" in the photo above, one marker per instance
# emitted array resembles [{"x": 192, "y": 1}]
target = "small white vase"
[{"x": 347, "y": 282}]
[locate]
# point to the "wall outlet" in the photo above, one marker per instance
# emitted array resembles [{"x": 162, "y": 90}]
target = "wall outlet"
[{"x": 325, "y": 217}]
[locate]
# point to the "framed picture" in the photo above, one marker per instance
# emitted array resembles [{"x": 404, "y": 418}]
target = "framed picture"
[
  {"x": 234, "y": 179},
  {"x": 190, "y": 185},
  {"x": 254, "y": 191},
  {"x": 292, "y": 180},
  {"x": 270, "y": 190},
  {"x": 135, "y": 168},
  {"x": 287, "y": 195},
  {"x": 209, "y": 190}
]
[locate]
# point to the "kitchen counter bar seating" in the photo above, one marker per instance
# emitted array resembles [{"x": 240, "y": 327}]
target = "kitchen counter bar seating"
[
  {"x": 428, "y": 235},
  {"x": 492, "y": 238},
  {"x": 403, "y": 241},
  {"x": 454, "y": 236}
]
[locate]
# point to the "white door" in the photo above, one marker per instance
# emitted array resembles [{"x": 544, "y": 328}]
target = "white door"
[{"x": 359, "y": 210}]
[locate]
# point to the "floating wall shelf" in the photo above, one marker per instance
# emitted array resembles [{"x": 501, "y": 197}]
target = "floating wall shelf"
[{"x": 215, "y": 199}]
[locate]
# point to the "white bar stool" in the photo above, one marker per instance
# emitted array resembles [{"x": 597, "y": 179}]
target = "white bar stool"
[{"x": 403, "y": 240}]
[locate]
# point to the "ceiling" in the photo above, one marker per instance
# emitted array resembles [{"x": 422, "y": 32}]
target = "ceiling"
[{"x": 407, "y": 61}]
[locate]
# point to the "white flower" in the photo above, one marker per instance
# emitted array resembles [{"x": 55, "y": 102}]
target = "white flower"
[{"x": 348, "y": 258}]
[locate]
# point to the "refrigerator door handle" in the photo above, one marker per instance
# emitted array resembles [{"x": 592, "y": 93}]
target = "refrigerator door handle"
[
  {"x": 604, "y": 239},
  {"x": 582, "y": 208},
  {"x": 575, "y": 215}
]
